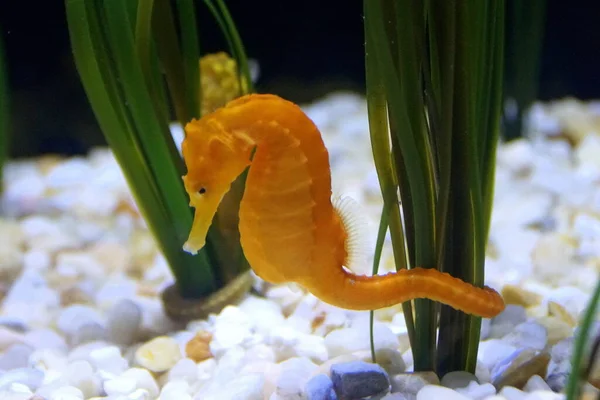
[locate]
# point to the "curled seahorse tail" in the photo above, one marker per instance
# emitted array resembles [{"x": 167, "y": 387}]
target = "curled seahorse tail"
[{"x": 361, "y": 292}]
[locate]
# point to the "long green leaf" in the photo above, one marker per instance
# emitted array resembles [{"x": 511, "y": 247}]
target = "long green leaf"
[
  {"x": 4, "y": 112},
  {"x": 525, "y": 33},
  {"x": 402, "y": 74},
  {"x": 190, "y": 54},
  {"x": 238, "y": 48},
  {"x": 379, "y": 132},
  {"x": 103, "y": 46},
  {"x": 169, "y": 52},
  {"x": 477, "y": 94},
  {"x": 585, "y": 328}
]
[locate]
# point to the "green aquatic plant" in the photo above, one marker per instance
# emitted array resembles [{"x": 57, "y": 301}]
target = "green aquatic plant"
[
  {"x": 4, "y": 117},
  {"x": 579, "y": 374},
  {"x": 434, "y": 89},
  {"x": 136, "y": 63},
  {"x": 524, "y": 40}
]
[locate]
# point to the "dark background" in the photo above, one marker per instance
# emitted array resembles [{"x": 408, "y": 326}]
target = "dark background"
[{"x": 305, "y": 49}]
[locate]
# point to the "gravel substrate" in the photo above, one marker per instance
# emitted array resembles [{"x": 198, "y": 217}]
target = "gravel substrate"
[{"x": 80, "y": 283}]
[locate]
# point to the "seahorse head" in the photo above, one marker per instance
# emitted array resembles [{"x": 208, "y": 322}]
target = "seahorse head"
[{"x": 214, "y": 158}]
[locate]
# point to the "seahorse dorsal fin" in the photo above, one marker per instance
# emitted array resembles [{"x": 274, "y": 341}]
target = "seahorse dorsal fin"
[{"x": 356, "y": 226}]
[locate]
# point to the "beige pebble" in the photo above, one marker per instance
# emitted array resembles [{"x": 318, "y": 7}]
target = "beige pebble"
[
  {"x": 513, "y": 294},
  {"x": 143, "y": 251},
  {"x": 557, "y": 329},
  {"x": 159, "y": 354},
  {"x": 74, "y": 295},
  {"x": 113, "y": 256},
  {"x": 557, "y": 310},
  {"x": 551, "y": 253},
  {"x": 198, "y": 347}
]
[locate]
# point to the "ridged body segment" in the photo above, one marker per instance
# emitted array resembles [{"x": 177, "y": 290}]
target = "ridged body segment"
[{"x": 286, "y": 217}]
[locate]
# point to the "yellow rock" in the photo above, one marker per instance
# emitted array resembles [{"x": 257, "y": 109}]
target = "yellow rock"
[{"x": 159, "y": 354}]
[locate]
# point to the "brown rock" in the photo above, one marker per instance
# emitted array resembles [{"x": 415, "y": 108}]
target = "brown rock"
[
  {"x": 74, "y": 295},
  {"x": 198, "y": 348},
  {"x": 523, "y": 367}
]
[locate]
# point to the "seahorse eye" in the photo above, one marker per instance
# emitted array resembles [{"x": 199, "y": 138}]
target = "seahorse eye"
[{"x": 202, "y": 190}]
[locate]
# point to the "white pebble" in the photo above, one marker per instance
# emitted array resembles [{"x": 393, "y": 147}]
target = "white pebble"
[
  {"x": 528, "y": 335},
  {"x": 108, "y": 359},
  {"x": 511, "y": 393},
  {"x": 493, "y": 351},
  {"x": 185, "y": 370},
  {"x": 243, "y": 387},
  {"x": 75, "y": 316},
  {"x": 476, "y": 391},
  {"x": 16, "y": 391},
  {"x": 45, "y": 339},
  {"x": 349, "y": 340},
  {"x": 545, "y": 395},
  {"x": 144, "y": 380},
  {"x": 66, "y": 393},
  {"x": 88, "y": 332},
  {"x": 295, "y": 372},
  {"x": 504, "y": 323},
  {"x": 81, "y": 375},
  {"x": 263, "y": 313},
  {"x": 30, "y": 377},
  {"x": 429, "y": 392},
  {"x": 123, "y": 322},
  {"x": 536, "y": 382},
  {"x": 312, "y": 347},
  {"x": 120, "y": 385},
  {"x": 175, "y": 390}
]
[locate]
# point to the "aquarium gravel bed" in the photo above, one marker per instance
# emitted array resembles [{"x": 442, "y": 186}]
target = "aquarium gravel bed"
[{"x": 81, "y": 278}]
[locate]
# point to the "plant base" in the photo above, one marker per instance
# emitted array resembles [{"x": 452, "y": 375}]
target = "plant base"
[{"x": 185, "y": 310}]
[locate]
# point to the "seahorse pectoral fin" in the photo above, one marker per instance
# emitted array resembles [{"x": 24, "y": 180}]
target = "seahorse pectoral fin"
[{"x": 206, "y": 208}]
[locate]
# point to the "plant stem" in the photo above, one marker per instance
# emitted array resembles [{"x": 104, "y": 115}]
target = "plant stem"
[
  {"x": 4, "y": 113},
  {"x": 573, "y": 389}
]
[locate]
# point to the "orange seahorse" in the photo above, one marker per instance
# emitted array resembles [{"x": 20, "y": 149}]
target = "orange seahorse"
[{"x": 290, "y": 230}]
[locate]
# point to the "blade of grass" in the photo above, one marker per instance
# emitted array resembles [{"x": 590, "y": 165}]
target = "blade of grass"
[
  {"x": 573, "y": 385},
  {"x": 400, "y": 64},
  {"x": 461, "y": 253},
  {"x": 222, "y": 25},
  {"x": 523, "y": 59},
  {"x": 238, "y": 49},
  {"x": 475, "y": 130},
  {"x": 190, "y": 55},
  {"x": 439, "y": 82},
  {"x": 379, "y": 133},
  {"x": 163, "y": 24},
  {"x": 97, "y": 68},
  {"x": 156, "y": 141},
  {"x": 4, "y": 113},
  {"x": 383, "y": 225},
  {"x": 146, "y": 57}
]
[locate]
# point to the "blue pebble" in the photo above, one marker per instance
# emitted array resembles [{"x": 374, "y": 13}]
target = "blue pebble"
[
  {"x": 358, "y": 379},
  {"x": 320, "y": 387}
]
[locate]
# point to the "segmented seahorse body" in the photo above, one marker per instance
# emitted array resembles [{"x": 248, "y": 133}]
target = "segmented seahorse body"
[{"x": 290, "y": 231}]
